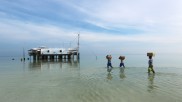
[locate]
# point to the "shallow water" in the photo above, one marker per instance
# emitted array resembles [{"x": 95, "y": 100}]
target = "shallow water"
[{"x": 87, "y": 80}]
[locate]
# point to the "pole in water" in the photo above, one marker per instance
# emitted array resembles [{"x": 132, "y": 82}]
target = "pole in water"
[
  {"x": 23, "y": 54},
  {"x": 78, "y": 46}
]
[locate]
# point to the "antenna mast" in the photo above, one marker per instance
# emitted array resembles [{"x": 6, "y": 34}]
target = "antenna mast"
[{"x": 78, "y": 45}]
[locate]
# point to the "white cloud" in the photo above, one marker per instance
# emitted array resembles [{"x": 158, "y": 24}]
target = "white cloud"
[
  {"x": 138, "y": 38},
  {"x": 160, "y": 21},
  {"x": 153, "y": 15},
  {"x": 17, "y": 30}
]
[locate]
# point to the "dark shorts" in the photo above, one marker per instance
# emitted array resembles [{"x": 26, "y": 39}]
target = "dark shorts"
[
  {"x": 108, "y": 64},
  {"x": 121, "y": 64}
]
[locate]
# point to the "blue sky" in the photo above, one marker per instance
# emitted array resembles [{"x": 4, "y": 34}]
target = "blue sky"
[{"x": 105, "y": 26}]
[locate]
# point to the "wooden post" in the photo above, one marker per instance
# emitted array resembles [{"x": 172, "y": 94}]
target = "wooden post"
[{"x": 78, "y": 46}]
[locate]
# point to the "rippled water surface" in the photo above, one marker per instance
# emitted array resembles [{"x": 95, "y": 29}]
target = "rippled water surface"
[{"x": 87, "y": 80}]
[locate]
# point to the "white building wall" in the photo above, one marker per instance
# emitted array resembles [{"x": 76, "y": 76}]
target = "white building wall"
[{"x": 47, "y": 51}]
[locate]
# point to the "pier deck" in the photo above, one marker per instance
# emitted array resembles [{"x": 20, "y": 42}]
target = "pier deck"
[{"x": 43, "y": 53}]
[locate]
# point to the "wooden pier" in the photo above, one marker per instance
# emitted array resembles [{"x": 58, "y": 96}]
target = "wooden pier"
[{"x": 44, "y": 53}]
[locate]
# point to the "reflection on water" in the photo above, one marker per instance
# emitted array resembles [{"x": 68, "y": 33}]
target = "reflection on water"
[
  {"x": 109, "y": 70},
  {"x": 151, "y": 85},
  {"x": 67, "y": 81},
  {"x": 122, "y": 74},
  {"x": 109, "y": 76},
  {"x": 41, "y": 64}
]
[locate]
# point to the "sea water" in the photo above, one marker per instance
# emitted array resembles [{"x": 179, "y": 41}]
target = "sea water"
[{"x": 87, "y": 80}]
